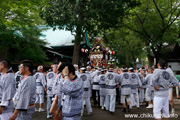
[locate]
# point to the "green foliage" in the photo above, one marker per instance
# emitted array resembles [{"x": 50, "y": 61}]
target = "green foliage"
[
  {"x": 23, "y": 44},
  {"x": 48, "y": 63},
  {"x": 19, "y": 38},
  {"x": 178, "y": 41},
  {"x": 127, "y": 45},
  {"x": 80, "y": 16},
  {"x": 20, "y": 13},
  {"x": 31, "y": 45},
  {"x": 93, "y": 16},
  {"x": 156, "y": 23}
]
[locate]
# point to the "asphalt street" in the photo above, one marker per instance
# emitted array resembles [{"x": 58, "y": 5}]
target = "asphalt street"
[{"x": 139, "y": 114}]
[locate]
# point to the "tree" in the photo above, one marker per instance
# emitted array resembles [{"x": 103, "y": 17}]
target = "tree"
[
  {"x": 80, "y": 16},
  {"x": 20, "y": 13},
  {"x": 127, "y": 45},
  {"x": 156, "y": 22},
  {"x": 28, "y": 45},
  {"x": 22, "y": 44},
  {"x": 19, "y": 36}
]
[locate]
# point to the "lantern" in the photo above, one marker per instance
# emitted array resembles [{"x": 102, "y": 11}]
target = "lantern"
[
  {"x": 107, "y": 48},
  {"x": 83, "y": 50},
  {"x": 113, "y": 52}
]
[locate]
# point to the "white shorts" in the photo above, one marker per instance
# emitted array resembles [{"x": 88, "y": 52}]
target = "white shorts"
[
  {"x": 149, "y": 95},
  {"x": 39, "y": 98},
  {"x": 125, "y": 97},
  {"x": 161, "y": 103}
]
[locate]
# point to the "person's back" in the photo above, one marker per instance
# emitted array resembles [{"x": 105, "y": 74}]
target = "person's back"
[
  {"x": 95, "y": 87},
  {"x": 162, "y": 80},
  {"x": 95, "y": 75},
  {"x": 125, "y": 83},
  {"x": 135, "y": 82},
  {"x": 40, "y": 88},
  {"x": 125, "y": 88},
  {"x": 102, "y": 91},
  {"x": 149, "y": 90},
  {"x": 112, "y": 80},
  {"x": 49, "y": 78},
  {"x": 56, "y": 84},
  {"x": 148, "y": 81},
  {"x": 40, "y": 82},
  {"x": 86, "y": 78}
]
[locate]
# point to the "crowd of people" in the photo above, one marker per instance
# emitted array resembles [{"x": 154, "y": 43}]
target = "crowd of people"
[{"x": 68, "y": 89}]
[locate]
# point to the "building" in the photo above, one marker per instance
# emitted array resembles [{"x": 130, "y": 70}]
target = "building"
[{"x": 61, "y": 44}]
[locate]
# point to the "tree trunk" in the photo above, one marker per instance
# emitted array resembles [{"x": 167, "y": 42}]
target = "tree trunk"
[
  {"x": 77, "y": 46},
  {"x": 157, "y": 60},
  {"x": 134, "y": 59},
  {"x": 76, "y": 53},
  {"x": 3, "y": 51},
  {"x": 150, "y": 60}
]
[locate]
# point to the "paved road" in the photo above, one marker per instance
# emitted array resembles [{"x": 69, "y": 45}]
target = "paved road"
[{"x": 99, "y": 114}]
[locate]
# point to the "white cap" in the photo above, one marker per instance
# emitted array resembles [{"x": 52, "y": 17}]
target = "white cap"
[
  {"x": 124, "y": 68},
  {"x": 88, "y": 67},
  {"x": 83, "y": 68},
  {"x": 130, "y": 68},
  {"x": 75, "y": 65}
]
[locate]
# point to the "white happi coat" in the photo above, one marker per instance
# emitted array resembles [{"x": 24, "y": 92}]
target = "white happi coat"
[
  {"x": 148, "y": 82},
  {"x": 50, "y": 77},
  {"x": 7, "y": 91},
  {"x": 111, "y": 79},
  {"x": 40, "y": 82},
  {"x": 102, "y": 83},
  {"x": 95, "y": 75},
  {"x": 24, "y": 97},
  {"x": 163, "y": 78},
  {"x": 87, "y": 79},
  {"x": 125, "y": 83},
  {"x": 56, "y": 84},
  {"x": 135, "y": 82}
]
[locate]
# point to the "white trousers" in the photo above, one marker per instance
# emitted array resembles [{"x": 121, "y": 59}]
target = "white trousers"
[
  {"x": 110, "y": 102},
  {"x": 88, "y": 104},
  {"x": 134, "y": 100},
  {"x": 39, "y": 98},
  {"x": 161, "y": 103},
  {"x": 102, "y": 100},
  {"x": 141, "y": 95}
]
